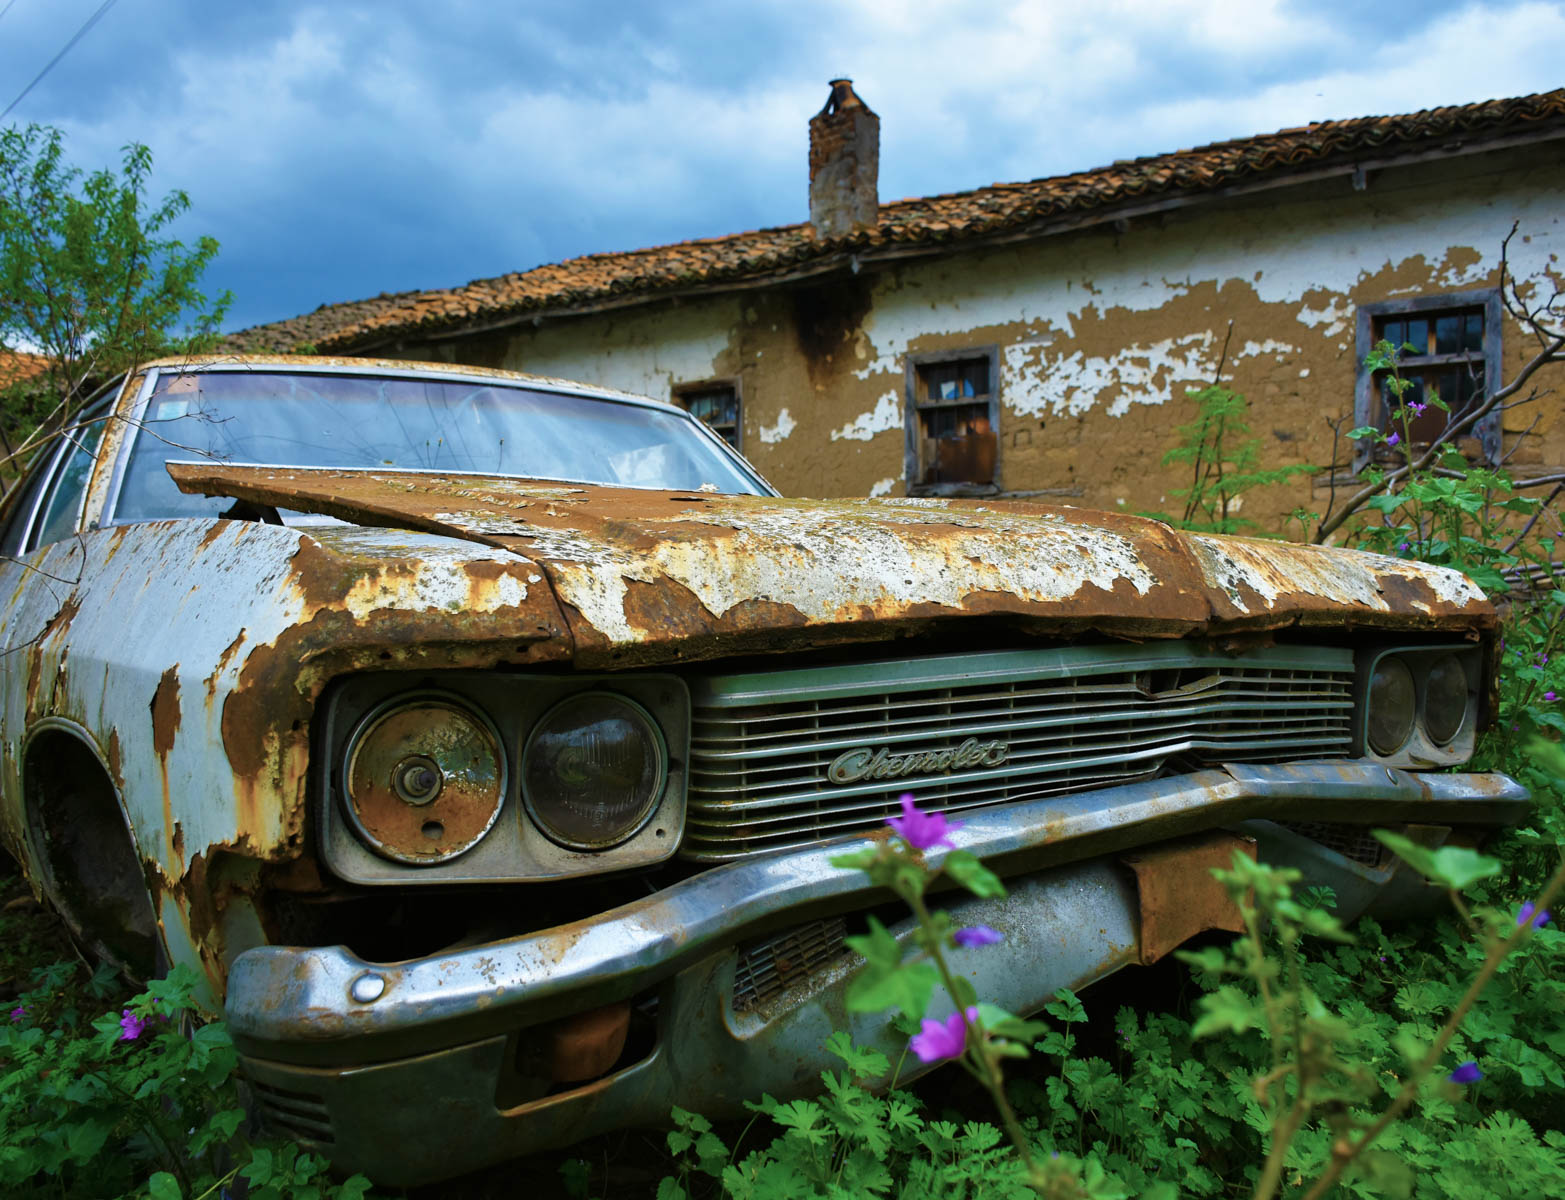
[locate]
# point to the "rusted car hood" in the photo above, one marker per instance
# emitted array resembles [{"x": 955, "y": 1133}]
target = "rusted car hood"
[{"x": 638, "y": 571}]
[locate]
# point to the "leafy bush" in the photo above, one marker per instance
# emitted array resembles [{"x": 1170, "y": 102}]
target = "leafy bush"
[{"x": 139, "y": 1101}]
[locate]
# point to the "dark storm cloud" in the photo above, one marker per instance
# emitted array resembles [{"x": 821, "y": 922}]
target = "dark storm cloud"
[{"x": 339, "y": 150}]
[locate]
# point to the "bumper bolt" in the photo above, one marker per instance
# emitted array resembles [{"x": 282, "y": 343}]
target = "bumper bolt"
[{"x": 367, "y": 988}]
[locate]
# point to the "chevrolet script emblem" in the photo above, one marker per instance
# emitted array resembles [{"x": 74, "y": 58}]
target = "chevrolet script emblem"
[{"x": 852, "y": 766}]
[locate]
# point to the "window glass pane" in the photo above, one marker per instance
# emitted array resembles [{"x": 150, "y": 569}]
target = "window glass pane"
[
  {"x": 65, "y": 500},
  {"x": 399, "y": 422},
  {"x": 975, "y": 377},
  {"x": 1425, "y": 426},
  {"x": 1448, "y": 334},
  {"x": 22, "y": 505},
  {"x": 718, "y": 408},
  {"x": 1394, "y": 332},
  {"x": 942, "y": 381},
  {"x": 1417, "y": 335},
  {"x": 1473, "y": 339}
]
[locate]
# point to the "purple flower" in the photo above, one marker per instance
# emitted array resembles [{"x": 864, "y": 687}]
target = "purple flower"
[
  {"x": 1537, "y": 917},
  {"x": 18, "y": 1013},
  {"x": 1393, "y": 439},
  {"x": 1551, "y": 695},
  {"x": 1468, "y": 1072},
  {"x": 131, "y": 1026},
  {"x": 922, "y": 831},
  {"x": 978, "y": 935},
  {"x": 1405, "y": 546},
  {"x": 941, "y": 1040},
  {"x": 1416, "y": 408}
]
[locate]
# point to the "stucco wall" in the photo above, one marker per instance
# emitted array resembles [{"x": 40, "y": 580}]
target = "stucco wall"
[{"x": 1100, "y": 333}]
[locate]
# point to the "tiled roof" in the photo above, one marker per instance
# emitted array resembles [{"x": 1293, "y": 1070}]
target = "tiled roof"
[
  {"x": 916, "y": 225},
  {"x": 15, "y": 366},
  {"x": 300, "y": 334}
]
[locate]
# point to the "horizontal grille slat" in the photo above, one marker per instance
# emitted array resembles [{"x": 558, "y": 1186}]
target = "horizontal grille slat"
[
  {"x": 301, "y": 1114},
  {"x": 759, "y": 769}
]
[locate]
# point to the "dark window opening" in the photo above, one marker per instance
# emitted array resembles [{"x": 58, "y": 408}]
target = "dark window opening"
[
  {"x": 715, "y": 406},
  {"x": 954, "y": 411},
  {"x": 1448, "y": 350}
]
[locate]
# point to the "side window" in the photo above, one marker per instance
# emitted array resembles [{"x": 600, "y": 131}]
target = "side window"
[
  {"x": 20, "y": 510},
  {"x": 953, "y": 417},
  {"x": 63, "y": 505}
]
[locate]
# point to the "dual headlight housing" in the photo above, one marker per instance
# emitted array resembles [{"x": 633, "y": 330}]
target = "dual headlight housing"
[
  {"x": 1419, "y": 706},
  {"x": 491, "y": 778}
]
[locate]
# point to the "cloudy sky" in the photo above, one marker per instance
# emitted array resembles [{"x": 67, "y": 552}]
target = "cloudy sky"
[{"x": 344, "y": 149}]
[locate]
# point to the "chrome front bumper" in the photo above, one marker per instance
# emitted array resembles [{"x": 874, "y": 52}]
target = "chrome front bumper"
[{"x": 414, "y": 1079}]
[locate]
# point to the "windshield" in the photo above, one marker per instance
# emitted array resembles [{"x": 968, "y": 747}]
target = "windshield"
[{"x": 408, "y": 423}]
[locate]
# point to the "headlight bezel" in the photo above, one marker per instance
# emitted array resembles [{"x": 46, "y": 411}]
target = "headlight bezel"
[
  {"x": 414, "y": 702},
  {"x": 534, "y": 803},
  {"x": 1422, "y": 748},
  {"x": 515, "y": 848}
]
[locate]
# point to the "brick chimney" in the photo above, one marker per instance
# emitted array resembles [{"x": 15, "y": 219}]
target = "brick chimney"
[{"x": 844, "y": 164}]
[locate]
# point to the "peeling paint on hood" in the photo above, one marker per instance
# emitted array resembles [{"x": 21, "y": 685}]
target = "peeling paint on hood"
[{"x": 639, "y": 569}]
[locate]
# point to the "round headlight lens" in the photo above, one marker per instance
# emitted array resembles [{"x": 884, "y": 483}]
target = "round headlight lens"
[
  {"x": 593, "y": 770},
  {"x": 425, "y": 779},
  {"x": 1445, "y": 699},
  {"x": 1391, "y": 706}
]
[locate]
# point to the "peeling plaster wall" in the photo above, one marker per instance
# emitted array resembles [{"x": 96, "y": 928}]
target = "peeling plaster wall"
[{"x": 1100, "y": 334}]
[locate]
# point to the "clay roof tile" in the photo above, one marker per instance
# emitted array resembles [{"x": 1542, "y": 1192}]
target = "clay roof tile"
[{"x": 940, "y": 220}]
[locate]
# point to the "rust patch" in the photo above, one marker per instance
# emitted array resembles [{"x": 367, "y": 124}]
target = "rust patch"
[
  {"x": 223, "y": 659},
  {"x": 1179, "y": 897},
  {"x": 165, "y": 712},
  {"x": 585, "y": 1046},
  {"x": 214, "y": 531},
  {"x": 666, "y": 609},
  {"x": 62, "y": 618},
  {"x": 112, "y": 752}
]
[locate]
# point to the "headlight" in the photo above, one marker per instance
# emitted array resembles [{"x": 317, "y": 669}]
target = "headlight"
[
  {"x": 424, "y": 779},
  {"x": 1391, "y": 706},
  {"x": 593, "y": 770},
  {"x": 1445, "y": 699}
]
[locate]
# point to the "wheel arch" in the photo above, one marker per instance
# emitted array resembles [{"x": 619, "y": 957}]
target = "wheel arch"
[{"x": 83, "y": 849}]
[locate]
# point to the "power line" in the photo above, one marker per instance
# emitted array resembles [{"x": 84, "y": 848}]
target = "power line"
[{"x": 75, "y": 37}]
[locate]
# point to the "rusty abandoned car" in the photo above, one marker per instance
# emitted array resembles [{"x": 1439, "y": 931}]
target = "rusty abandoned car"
[{"x": 483, "y": 739}]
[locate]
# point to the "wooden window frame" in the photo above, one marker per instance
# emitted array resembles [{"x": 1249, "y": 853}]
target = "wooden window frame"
[
  {"x": 1366, "y": 403},
  {"x": 679, "y": 391},
  {"x": 913, "y": 430}
]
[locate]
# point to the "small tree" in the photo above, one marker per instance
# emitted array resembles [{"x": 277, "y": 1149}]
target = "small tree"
[{"x": 89, "y": 279}]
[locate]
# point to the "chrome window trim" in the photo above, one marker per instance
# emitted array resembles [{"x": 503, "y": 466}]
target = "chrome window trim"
[
  {"x": 30, "y": 521},
  {"x": 557, "y": 387},
  {"x": 138, "y": 406},
  {"x": 87, "y": 417}
]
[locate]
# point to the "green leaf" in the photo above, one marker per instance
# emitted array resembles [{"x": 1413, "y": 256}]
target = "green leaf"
[
  {"x": 163, "y": 1186},
  {"x": 965, "y": 868},
  {"x": 877, "y": 946},
  {"x": 862, "y": 1063},
  {"x": 906, "y": 988},
  {"x": 1455, "y": 867},
  {"x": 86, "y": 1139},
  {"x": 857, "y": 860}
]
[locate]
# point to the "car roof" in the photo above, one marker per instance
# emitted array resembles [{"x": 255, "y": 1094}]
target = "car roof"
[{"x": 328, "y": 364}]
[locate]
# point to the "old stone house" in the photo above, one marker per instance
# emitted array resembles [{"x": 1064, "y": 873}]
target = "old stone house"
[{"x": 1038, "y": 338}]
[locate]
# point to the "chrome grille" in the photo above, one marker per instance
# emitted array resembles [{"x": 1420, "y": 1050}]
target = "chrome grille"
[
  {"x": 300, "y": 1115},
  {"x": 1350, "y": 841},
  {"x": 766, "y": 969},
  {"x": 1070, "y": 719}
]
